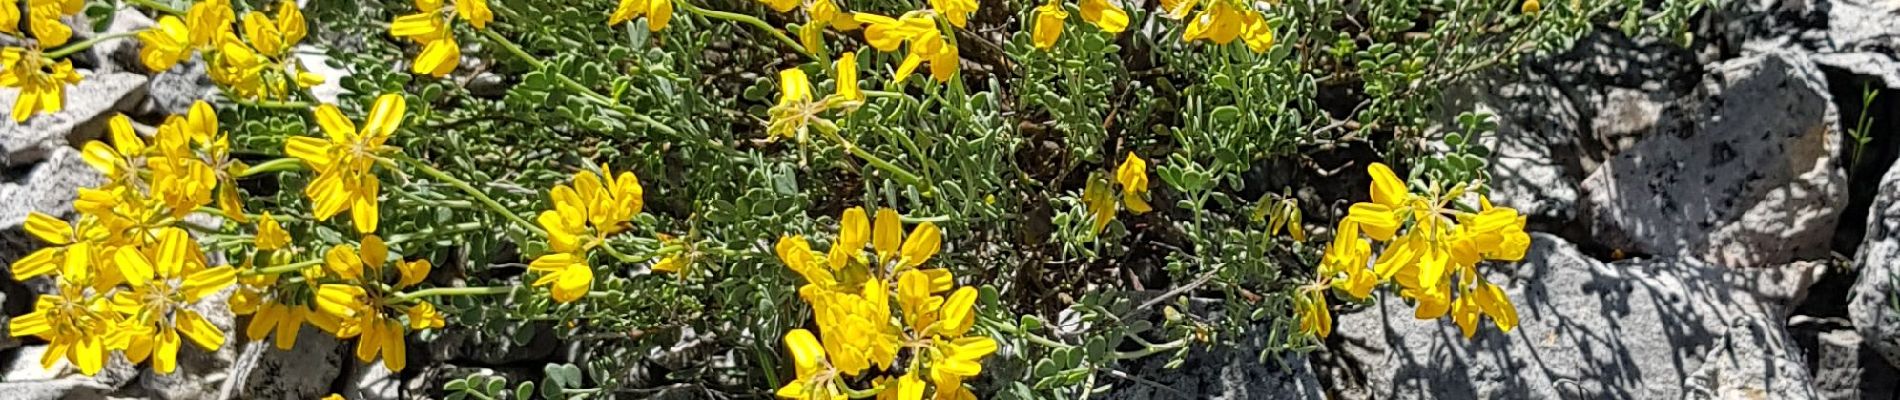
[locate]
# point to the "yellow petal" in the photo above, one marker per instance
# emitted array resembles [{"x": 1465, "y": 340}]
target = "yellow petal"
[
  {"x": 438, "y": 58},
  {"x": 925, "y": 240},
  {"x": 337, "y": 127},
  {"x": 37, "y": 263},
  {"x": 888, "y": 235},
  {"x": 1378, "y": 221},
  {"x": 201, "y": 332},
  {"x": 659, "y": 13},
  {"x": 134, "y": 266},
  {"x": 1048, "y": 25},
  {"x": 211, "y": 280},
  {"x": 958, "y": 315},
  {"x": 395, "y": 353},
  {"x": 1496, "y": 304},
  {"x": 49, "y": 229},
  {"x": 807, "y": 355},
  {"x": 165, "y": 352},
  {"x": 386, "y": 116},
  {"x": 364, "y": 211},
  {"x": 1105, "y": 15},
  {"x": 1387, "y": 189}
]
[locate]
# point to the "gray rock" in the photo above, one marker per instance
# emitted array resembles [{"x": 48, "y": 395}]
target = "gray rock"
[
  {"x": 1756, "y": 359},
  {"x": 372, "y": 381},
  {"x": 1218, "y": 373},
  {"x": 1875, "y": 306},
  {"x": 52, "y": 389},
  {"x": 303, "y": 372},
  {"x": 1632, "y": 329},
  {"x": 83, "y": 118},
  {"x": 1755, "y": 182},
  {"x": 173, "y": 91},
  {"x": 1844, "y": 368}
]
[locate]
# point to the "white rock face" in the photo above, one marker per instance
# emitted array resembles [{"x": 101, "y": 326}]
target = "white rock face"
[{"x": 1872, "y": 306}]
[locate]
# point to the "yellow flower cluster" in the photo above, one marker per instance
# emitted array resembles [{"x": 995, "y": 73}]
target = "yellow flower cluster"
[
  {"x": 127, "y": 269},
  {"x": 1103, "y": 14},
  {"x": 1100, "y": 198},
  {"x": 42, "y": 19},
  {"x": 42, "y": 81},
  {"x": 851, "y": 290},
  {"x": 1434, "y": 261},
  {"x": 355, "y": 297},
  {"x": 432, "y": 27},
  {"x": 258, "y": 65},
  {"x": 1222, "y": 21},
  {"x": 796, "y": 110},
  {"x": 598, "y": 205}
]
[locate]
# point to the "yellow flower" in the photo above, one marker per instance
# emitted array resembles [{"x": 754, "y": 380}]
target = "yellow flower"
[
  {"x": 345, "y": 181},
  {"x": 797, "y": 110},
  {"x": 1220, "y": 23},
  {"x": 1100, "y": 202},
  {"x": 1531, "y": 7},
  {"x": 42, "y": 82},
  {"x": 567, "y": 275},
  {"x": 1048, "y": 26},
  {"x": 165, "y": 44},
  {"x": 208, "y": 21},
  {"x": 43, "y": 17},
  {"x": 780, "y": 5},
  {"x": 920, "y": 30},
  {"x": 274, "y": 38},
  {"x": 73, "y": 325},
  {"x": 1105, "y": 15},
  {"x": 279, "y": 318},
  {"x": 956, "y": 11},
  {"x": 271, "y": 235},
  {"x": 1257, "y": 33},
  {"x": 658, "y": 12},
  {"x": 607, "y": 205},
  {"x": 165, "y": 279},
  {"x": 423, "y": 316},
  {"x": 1177, "y": 9},
  {"x": 1434, "y": 260},
  {"x": 1133, "y": 177},
  {"x": 1315, "y": 318},
  {"x": 362, "y": 308},
  {"x": 430, "y": 27},
  {"x": 815, "y": 374}
]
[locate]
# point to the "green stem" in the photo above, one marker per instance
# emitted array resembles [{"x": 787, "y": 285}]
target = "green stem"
[
  {"x": 748, "y": 20},
  {"x": 161, "y": 7},
  {"x": 454, "y": 291},
  {"x": 275, "y": 165},
  {"x": 291, "y": 267},
  {"x": 480, "y": 197},
  {"x": 271, "y": 104},
  {"x": 1150, "y": 350},
  {"x": 77, "y": 47},
  {"x": 897, "y": 172}
]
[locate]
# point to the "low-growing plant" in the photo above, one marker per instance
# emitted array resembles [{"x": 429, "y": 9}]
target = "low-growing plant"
[{"x": 1086, "y": 184}]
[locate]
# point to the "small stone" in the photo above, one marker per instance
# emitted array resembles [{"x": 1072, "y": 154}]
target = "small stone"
[{"x": 88, "y": 106}]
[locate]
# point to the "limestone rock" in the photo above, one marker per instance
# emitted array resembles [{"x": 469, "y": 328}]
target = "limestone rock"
[
  {"x": 1752, "y": 361},
  {"x": 1873, "y": 305},
  {"x": 87, "y": 107},
  {"x": 1755, "y": 182},
  {"x": 1632, "y": 329}
]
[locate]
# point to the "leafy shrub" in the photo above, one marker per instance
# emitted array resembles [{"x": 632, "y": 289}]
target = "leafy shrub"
[{"x": 1072, "y": 172}]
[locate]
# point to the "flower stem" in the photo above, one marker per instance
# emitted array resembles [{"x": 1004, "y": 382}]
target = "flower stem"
[
  {"x": 275, "y": 165},
  {"x": 77, "y": 47},
  {"x": 897, "y": 172},
  {"x": 161, "y": 7},
  {"x": 748, "y": 20},
  {"x": 271, "y": 104},
  {"x": 291, "y": 267},
  {"x": 454, "y": 291},
  {"x": 480, "y": 197}
]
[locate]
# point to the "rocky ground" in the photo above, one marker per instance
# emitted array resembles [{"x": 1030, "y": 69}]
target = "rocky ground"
[{"x": 1705, "y": 230}]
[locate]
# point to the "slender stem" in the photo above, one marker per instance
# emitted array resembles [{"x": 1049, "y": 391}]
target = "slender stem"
[
  {"x": 291, "y": 267},
  {"x": 275, "y": 165},
  {"x": 272, "y": 104},
  {"x": 77, "y": 47},
  {"x": 901, "y": 174},
  {"x": 512, "y": 48},
  {"x": 454, "y": 291},
  {"x": 1150, "y": 350},
  {"x": 1032, "y": 337},
  {"x": 161, "y": 7},
  {"x": 480, "y": 197},
  {"x": 748, "y": 20}
]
